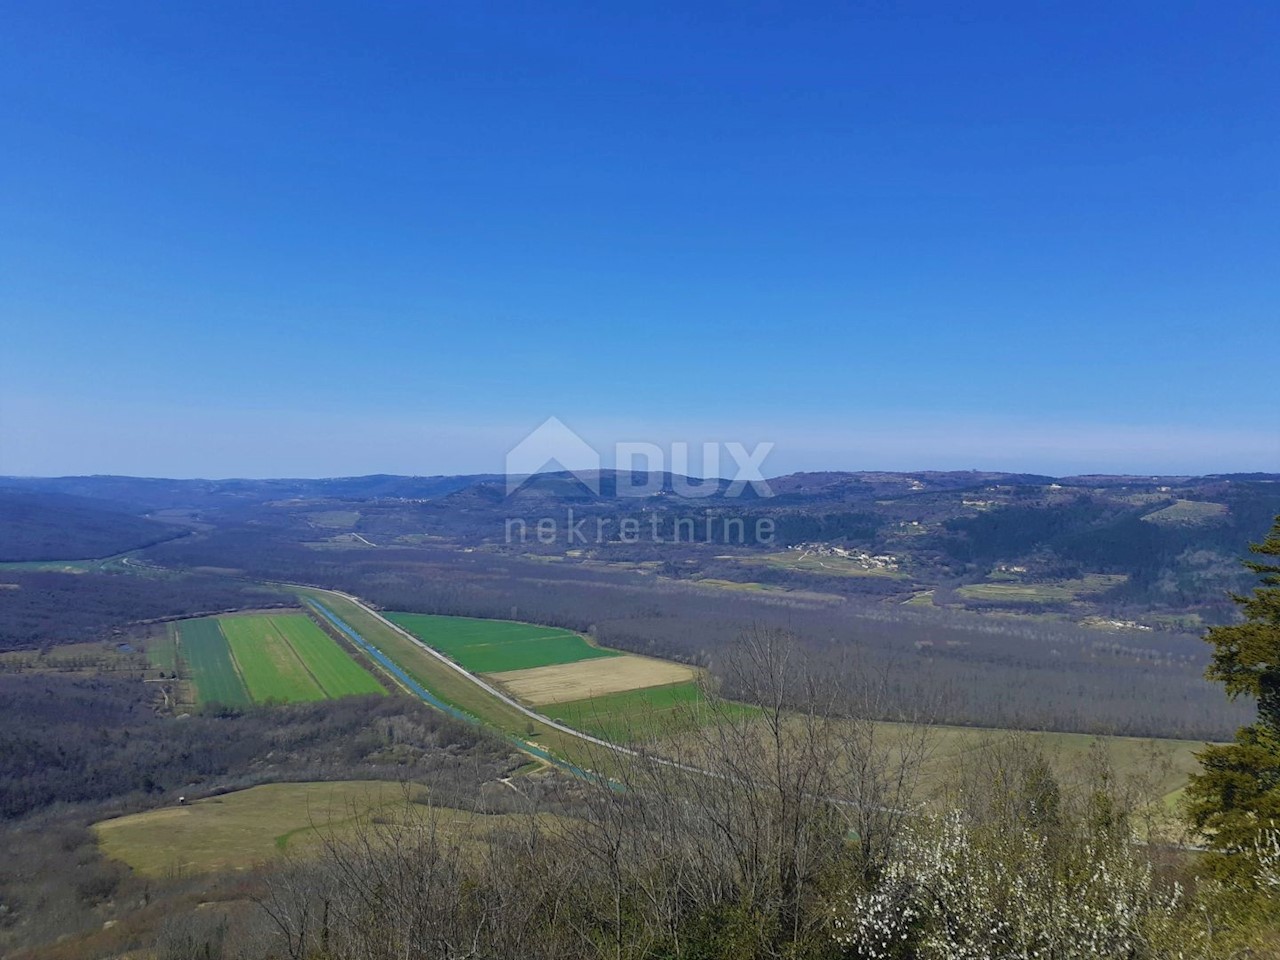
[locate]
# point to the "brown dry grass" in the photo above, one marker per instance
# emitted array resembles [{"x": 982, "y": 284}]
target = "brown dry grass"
[{"x": 590, "y": 678}]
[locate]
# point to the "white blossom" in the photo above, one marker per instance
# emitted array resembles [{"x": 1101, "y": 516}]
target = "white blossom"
[{"x": 949, "y": 897}]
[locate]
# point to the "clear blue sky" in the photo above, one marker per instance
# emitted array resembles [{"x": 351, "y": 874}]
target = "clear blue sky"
[{"x": 316, "y": 238}]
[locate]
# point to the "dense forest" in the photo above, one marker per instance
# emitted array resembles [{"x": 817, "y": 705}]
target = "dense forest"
[
  {"x": 37, "y": 525},
  {"x": 74, "y": 750},
  {"x": 73, "y": 739},
  {"x": 38, "y": 607}
]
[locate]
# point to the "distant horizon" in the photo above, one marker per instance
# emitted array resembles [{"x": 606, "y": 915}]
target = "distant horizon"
[
  {"x": 1227, "y": 474},
  {"x": 129, "y": 439}
]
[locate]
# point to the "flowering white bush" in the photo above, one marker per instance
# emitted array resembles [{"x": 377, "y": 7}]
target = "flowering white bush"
[
  {"x": 1267, "y": 855},
  {"x": 951, "y": 896}
]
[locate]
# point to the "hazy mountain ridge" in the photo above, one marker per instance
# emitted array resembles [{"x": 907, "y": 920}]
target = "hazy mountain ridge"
[{"x": 160, "y": 493}]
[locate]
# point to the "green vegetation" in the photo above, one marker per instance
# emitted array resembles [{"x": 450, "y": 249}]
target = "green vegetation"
[
  {"x": 1235, "y": 799},
  {"x": 270, "y": 667},
  {"x": 204, "y": 649},
  {"x": 656, "y": 712},
  {"x": 334, "y": 519},
  {"x": 237, "y": 830},
  {"x": 828, "y": 564},
  {"x": 1188, "y": 512},
  {"x": 333, "y": 669},
  {"x": 451, "y": 687},
  {"x": 495, "y": 646},
  {"x": 263, "y": 658},
  {"x": 241, "y": 829},
  {"x": 162, "y": 651},
  {"x": 1056, "y": 591},
  {"x": 738, "y": 585},
  {"x": 648, "y": 713}
]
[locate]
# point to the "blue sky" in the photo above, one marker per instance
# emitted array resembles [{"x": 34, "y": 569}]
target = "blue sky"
[{"x": 334, "y": 239}]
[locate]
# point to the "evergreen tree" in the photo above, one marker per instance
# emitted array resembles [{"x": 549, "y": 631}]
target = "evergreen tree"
[{"x": 1236, "y": 796}]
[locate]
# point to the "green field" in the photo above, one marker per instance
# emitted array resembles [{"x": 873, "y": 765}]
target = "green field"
[
  {"x": 825, "y": 564},
  {"x": 666, "y": 714},
  {"x": 1057, "y": 591},
  {"x": 334, "y": 519},
  {"x": 207, "y": 656},
  {"x": 269, "y": 665},
  {"x": 451, "y": 687},
  {"x": 264, "y": 658},
  {"x": 494, "y": 646},
  {"x": 162, "y": 651},
  {"x": 336, "y": 673},
  {"x": 235, "y": 831},
  {"x": 638, "y": 715}
]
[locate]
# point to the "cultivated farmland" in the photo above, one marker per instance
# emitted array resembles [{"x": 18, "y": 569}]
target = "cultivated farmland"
[
  {"x": 208, "y": 658},
  {"x": 1051, "y": 592},
  {"x": 445, "y": 683},
  {"x": 591, "y": 678},
  {"x": 604, "y": 691},
  {"x": 269, "y": 665},
  {"x": 236, "y": 660},
  {"x": 336, "y": 673},
  {"x": 664, "y": 716},
  {"x": 495, "y": 646},
  {"x": 162, "y": 651},
  {"x": 540, "y": 665},
  {"x": 643, "y": 714}
]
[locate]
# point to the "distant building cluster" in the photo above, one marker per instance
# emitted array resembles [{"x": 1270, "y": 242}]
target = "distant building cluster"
[{"x": 881, "y": 561}]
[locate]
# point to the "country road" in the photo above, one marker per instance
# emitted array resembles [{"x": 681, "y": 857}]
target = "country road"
[
  {"x": 530, "y": 748},
  {"x": 481, "y": 683}
]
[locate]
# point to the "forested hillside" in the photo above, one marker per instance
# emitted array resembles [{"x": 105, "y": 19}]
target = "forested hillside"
[
  {"x": 38, "y": 608},
  {"x": 50, "y": 526}
]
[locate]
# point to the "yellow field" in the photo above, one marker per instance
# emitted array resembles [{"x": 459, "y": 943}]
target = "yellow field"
[
  {"x": 590, "y": 678},
  {"x": 236, "y": 830}
]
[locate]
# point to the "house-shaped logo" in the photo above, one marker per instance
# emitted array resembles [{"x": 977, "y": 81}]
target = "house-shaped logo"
[{"x": 553, "y": 445}]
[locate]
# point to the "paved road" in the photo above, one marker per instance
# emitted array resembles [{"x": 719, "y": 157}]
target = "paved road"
[
  {"x": 417, "y": 690},
  {"x": 530, "y": 748}
]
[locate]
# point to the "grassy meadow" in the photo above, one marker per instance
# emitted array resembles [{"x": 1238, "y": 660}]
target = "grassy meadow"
[
  {"x": 1049, "y": 592},
  {"x": 495, "y": 646}
]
